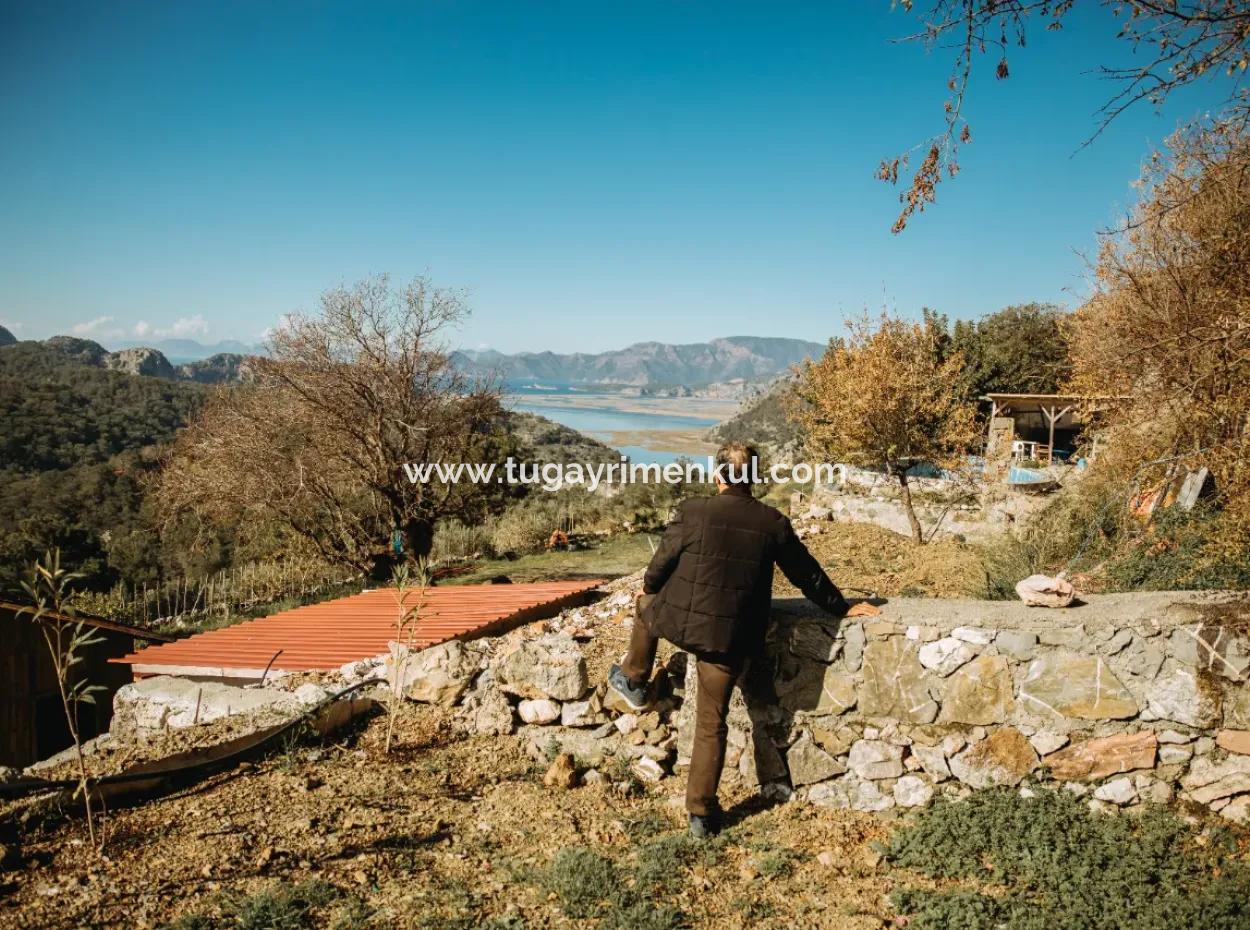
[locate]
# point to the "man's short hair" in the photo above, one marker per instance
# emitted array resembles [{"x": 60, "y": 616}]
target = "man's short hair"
[{"x": 737, "y": 463}]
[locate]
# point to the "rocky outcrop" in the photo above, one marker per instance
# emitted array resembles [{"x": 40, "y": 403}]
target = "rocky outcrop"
[
  {"x": 223, "y": 368},
  {"x": 140, "y": 361},
  {"x": 83, "y": 351}
]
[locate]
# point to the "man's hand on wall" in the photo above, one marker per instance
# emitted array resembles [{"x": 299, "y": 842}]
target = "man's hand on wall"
[{"x": 863, "y": 609}]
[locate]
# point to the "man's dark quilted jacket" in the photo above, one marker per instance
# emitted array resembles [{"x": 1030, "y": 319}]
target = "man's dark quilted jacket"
[{"x": 713, "y": 574}]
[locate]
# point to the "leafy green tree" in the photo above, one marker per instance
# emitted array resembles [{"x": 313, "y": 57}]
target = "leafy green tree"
[{"x": 1021, "y": 349}]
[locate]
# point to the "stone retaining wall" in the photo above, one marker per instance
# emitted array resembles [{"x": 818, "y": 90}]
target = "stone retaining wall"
[{"x": 1127, "y": 698}]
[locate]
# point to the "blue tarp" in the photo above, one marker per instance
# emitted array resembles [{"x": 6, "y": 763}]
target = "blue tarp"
[{"x": 1018, "y": 475}]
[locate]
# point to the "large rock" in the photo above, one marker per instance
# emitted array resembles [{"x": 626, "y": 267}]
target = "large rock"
[
  {"x": 872, "y": 759},
  {"x": 853, "y": 639},
  {"x": 809, "y": 763},
  {"x": 912, "y": 791},
  {"x": 438, "y": 675},
  {"x": 1045, "y": 591},
  {"x": 979, "y": 693},
  {"x": 755, "y": 757},
  {"x": 850, "y": 792},
  {"x": 817, "y": 689},
  {"x": 1237, "y": 709},
  {"x": 894, "y": 682},
  {"x": 1117, "y": 791},
  {"x": 1235, "y": 741},
  {"x": 1107, "y": 755},
  {"x": 1143, "y": 658},
  {"x": 1002, "y": 758},
  {"x": 933, "y": 761},
  {"x": 1017, "y": 644},
  {"x": 562, "y": 773},
  {"x": 1209, "y": 781},
  {"x": 493, "y": 715},
  {"x": 164, "y": 702},
  {"x": 587, "y": 713},
  {"x": 538, "y": 711},
  {"x": 945, "y": 655},
  {"x": 542, "y": 743},
  {"x": 1214, "y": 648},
  {"x": 1067, "y": 684},
  {"x": 550, "y": 666},
  {"x": 1179, "y": 696},
  {"x": 1237, "y": 810},
  {"x": 816, "y": 641}
]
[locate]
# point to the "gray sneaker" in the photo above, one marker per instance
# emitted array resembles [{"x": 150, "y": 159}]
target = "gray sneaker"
[
  {"x": 703, "y": 827},
  {"x": 633, "y": 695}
]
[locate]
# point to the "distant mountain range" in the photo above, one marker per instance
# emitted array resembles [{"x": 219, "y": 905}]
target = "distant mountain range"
[
  {"x": 188, "y": 350},
  {"x": 648, "y": 363},
  {"x": 644, "y": 364}
]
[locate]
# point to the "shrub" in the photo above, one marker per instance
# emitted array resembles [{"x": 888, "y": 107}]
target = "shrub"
[
  {"x": 1049, "y": 862},
  {"x": 279, "y": 907},
  {"x": 585, "y": 882},
  {"x": 1175, "y": 552},
  {"x": 589, "y": 885},
  {"x": 454, "y": 540},
  {"x": 1087, "y": 527}
]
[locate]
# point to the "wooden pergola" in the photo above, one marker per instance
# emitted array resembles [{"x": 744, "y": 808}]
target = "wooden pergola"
[{"x": 1052, "y": 407}]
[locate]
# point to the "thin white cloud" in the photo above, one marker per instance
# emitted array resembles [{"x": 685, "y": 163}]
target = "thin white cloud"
[
  {"x": 96, "y": 327},
  {"x": 186, "y": 327},
  {"x": 284, "y": 322}
]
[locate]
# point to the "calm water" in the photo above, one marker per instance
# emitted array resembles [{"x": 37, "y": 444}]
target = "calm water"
[{"x": 600, "y": 423}]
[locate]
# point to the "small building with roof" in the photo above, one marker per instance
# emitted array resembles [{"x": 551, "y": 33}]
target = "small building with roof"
[
  {"x": 1041, "y": 428},
  {"x": 32, "y": 718}
]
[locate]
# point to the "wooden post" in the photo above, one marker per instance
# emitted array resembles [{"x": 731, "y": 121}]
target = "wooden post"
[{"x": 1051, "y": 419}]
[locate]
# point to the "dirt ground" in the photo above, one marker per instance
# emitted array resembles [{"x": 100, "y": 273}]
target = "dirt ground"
[
  {"x": 870, "y": 558},
  {"x": 856, "y": 555},
  {"x": 446, "y": 831},
  {"x": 456, "y": 832}
]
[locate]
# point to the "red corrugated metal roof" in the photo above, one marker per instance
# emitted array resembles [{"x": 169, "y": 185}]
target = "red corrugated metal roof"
[{"x": 330, "y": 634}]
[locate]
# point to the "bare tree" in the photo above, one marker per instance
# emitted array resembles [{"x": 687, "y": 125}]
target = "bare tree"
[
  {"x": 315, "y": 445},
  {"x": 1181, "y": 41},
  {"x": 1168, "y": 330}
]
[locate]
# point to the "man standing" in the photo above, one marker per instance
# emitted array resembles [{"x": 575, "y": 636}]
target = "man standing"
[{"x": 708, "y": 590}]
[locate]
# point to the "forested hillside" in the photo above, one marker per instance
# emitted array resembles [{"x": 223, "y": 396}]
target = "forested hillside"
[
  {"x": 79, "y": 442},
  {"x": 75, "y": 442}
]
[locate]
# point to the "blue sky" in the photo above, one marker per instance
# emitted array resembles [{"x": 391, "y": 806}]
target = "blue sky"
[{"x": 594, "y": 174}]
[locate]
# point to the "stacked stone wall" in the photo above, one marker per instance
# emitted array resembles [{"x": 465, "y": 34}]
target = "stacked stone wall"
[{"x": 1125, "y": 698}]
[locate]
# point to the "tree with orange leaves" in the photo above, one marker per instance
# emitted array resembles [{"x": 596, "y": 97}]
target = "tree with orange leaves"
[{"x": 886, "y": 397}]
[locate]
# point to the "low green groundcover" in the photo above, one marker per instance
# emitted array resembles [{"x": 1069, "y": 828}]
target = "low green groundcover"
[{"x": 1047, "y": 862}]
